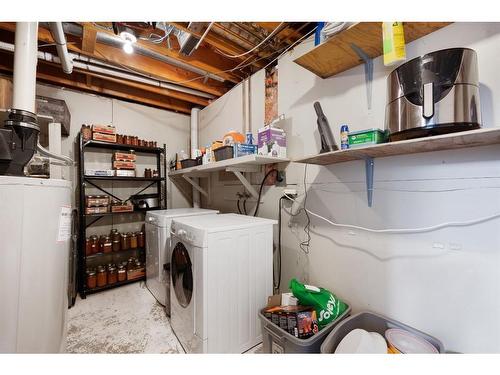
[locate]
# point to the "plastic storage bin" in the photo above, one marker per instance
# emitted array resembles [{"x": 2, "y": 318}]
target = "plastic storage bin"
[
  {"x": 370, "y": 322},
  {"x": 223, "y": 153},
  {"x": 277, "y": 341},
  {"x": 368, "y": 137},
  {"x": 187, "y": 163}
]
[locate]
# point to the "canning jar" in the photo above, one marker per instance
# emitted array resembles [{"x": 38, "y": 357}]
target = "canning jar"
[
  {"x": 122, "y": 273},
  {"x": 147, "y": 173},
  {"x": 86, "y": 132},
  {"x": 94, "y": 244},
  {"x": 125, "y": 242},
  {"x": 112, "y": 274},
  {"x": 132, "y": 240},
  {"x": 141, "y": 240},
  {"x": 119, "y": 139},
  {"x": 102, "y": 276},
  {"x": 107, "y": 245},
  {"x": 88, "y": 246},
  {"x": 91, "y": 278}
]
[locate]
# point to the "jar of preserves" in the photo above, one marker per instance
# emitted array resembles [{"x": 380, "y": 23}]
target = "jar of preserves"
[
  {"x": 141, "y": 239},
  {"x": 147, "y": 173},
  {"x": 132, "y": 240},
  {"x": 91, "y": 278},
  {"x": 102, "y": 276},
  {"x": 135, "y": 141},
  {"x": 94, "y": 244},
  {"x": 155, "y": 173},
  {"x": 119, "y": 139},
  {"x": 121, "y": 273},
  {"x": 125, "y": 241},
  {"x": 112, "y": 274},
  {"x": 88, "y": 246},
  {"x": 86, "y": 132},
  {"x": 107, "y": 245},
  {"x": 130, "y": 264}
]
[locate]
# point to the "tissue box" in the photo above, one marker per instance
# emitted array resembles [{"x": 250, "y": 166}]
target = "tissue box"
[
  {"x": 242, "y": 149},
  {"x": 271, "y": 142}
]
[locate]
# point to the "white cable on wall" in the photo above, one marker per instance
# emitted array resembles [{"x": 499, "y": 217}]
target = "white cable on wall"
[{"x": 405, "y": 230}]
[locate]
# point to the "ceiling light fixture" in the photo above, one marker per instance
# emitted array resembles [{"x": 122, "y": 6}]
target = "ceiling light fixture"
[{"x": 128, "y": 40}]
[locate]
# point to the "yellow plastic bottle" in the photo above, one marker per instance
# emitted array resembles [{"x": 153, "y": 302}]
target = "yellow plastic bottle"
[{"x": 393, "y": 35}]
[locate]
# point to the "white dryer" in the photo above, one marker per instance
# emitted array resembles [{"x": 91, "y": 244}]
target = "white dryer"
[
  {"x": 158, "y": 249},
  {"x": 221, "y": 276}
]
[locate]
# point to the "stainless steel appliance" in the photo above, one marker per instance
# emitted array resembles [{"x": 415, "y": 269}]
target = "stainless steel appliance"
[{"x": 434, "y": 94}]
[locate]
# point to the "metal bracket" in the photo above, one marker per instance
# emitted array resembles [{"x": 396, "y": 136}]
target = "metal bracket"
[
  {"x": 368, "y": 62},
  {"x": 196, "y": 186},
  {"x": 369, "y": 166}
]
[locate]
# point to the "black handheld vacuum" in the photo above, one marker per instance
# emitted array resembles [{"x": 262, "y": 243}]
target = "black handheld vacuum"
[{"x": 325, "y": 132}]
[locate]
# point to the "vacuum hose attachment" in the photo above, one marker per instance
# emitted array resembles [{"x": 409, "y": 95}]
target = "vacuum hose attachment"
[
  {"x": 61, "y": 158},
  {"x": 325, "y": 132}
]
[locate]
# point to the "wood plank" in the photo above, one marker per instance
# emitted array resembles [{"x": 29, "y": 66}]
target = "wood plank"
[
  {"x": 52, "y": 74},
  {"x": 466, "y": 139},
  {"x": 203, "y": 58},
  {"x": 135, "y": 62},
  {"x": 336, "y": 55},
  {"x": 89, "y": 39}
]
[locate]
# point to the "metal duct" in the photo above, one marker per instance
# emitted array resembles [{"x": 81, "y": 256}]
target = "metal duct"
[
  {"x": 115, "y": 41},
  {"x": 93, "y": 65},
  {"x": 57, "y": 32}
]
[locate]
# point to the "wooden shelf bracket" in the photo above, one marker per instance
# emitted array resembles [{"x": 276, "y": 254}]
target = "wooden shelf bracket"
[{"x": 196, "y": 185}]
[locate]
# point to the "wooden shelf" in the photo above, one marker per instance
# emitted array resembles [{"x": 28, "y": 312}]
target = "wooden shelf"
[
  {"x": 466, "y": 139},
  {"x": 122, "y": 178},
  {"x": 112, "y": 286},
  {"x": 123, "y": 213},
  {"x": 471, "y": 138},
  {"x": 242, "y": 161},
  {"x": 100, "y": 255},
  {"x": 336, "y": 55}
]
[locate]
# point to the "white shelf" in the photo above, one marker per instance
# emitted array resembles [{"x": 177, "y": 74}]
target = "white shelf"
[
  {"x": 237, "y": 166},
  {"x": 242, "y": 161}
]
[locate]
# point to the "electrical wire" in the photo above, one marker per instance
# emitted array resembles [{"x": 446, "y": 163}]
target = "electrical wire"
[
  {"x": 245, "y": 206},
  {"x": 254, "y": 48},
  {"x": 277, "y": 283},
  {"x": 260, "y": 189},
  {"x": 238, "y": 204},
  {"x": 403, "y": 230}
]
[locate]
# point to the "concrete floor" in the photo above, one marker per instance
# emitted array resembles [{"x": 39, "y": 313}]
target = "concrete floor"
[{"x": 122, "y": 320}]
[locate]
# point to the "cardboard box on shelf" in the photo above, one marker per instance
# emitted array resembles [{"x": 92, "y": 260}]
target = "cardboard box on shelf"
[
  {"x": 124, "y": 156},
  {"x": 104, "y": 129},
  {"x": 123, "y": 164},
  {"x": 111, "y": 138},
  {"x": 271, "y": 142}
]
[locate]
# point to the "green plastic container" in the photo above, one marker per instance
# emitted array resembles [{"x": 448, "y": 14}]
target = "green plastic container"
[{"x": 366, "y": 137}]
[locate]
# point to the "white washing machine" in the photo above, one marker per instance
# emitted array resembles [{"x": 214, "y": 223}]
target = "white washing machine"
[
  {"x": 158, "y": 249},
  {"x": 221, "y": 276}
]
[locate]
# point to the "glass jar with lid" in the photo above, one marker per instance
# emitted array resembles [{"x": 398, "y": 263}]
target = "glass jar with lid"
[
  {"x": 112, "y": 274},
  {"x": 133, "y": 240},
  {"x": 106, "y": 244},
  {"x": 88, "y": 246},
  {"x": 94, "y": 244},
  {"x": 125, "y": 241},
  {"x": 121, "y": 273},
  {"x": 102, "y": 276},
  {"x": 141, "y": 239},
  {"x": 91, "y": 278}
]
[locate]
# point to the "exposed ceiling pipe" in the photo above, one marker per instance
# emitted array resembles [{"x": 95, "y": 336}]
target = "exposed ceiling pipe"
[
  {"x": 25, "y": 59},
  {"x": 89, "y": 64},
  {"x": 57, "y": 32},
  {"x": 115, "y": 41}
]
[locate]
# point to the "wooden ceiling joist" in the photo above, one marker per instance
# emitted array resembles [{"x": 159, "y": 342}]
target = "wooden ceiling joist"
[
  {"x": 51, "y": 74},
  {"x": 89, "y": 39},
  {"x": 136, "y": 62}
]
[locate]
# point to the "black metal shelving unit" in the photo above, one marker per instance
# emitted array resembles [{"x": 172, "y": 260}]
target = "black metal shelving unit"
[{"x": 87, "y": 220}]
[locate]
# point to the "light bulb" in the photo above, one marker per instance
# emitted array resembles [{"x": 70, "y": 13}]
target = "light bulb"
[{"x": 127, "y": 47}]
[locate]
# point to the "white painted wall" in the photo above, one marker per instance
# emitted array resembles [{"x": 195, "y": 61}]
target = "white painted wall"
[
  {"x": 446, "y": 282},
  {"x": 149, "y": 123}
]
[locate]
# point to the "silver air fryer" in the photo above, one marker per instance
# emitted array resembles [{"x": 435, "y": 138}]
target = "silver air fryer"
[{"x": 434, "y": 94}]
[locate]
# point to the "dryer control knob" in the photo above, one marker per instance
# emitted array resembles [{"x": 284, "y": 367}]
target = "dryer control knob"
[{"x": 182, "y": 233}]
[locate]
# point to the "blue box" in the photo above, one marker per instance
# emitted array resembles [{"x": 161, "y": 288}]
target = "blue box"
[{"x": 242, "y": 149}]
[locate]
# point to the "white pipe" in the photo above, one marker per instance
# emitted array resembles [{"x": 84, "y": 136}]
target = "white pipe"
[
  {"x": 194, "y": 145},
  {"x": 57, "y": 32},
  {"x": 25, "y": 60},
  {"x": 89, "y": 65},
  {"x": 203, "y": 36}
]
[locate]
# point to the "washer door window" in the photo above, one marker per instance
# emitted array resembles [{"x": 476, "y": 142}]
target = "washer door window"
[{"x": 182, "y": 274}]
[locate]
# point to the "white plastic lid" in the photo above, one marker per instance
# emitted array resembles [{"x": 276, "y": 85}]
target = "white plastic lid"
[
  {"x": 409, "y": 343},
  {"x": 359, "y": 341}
]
